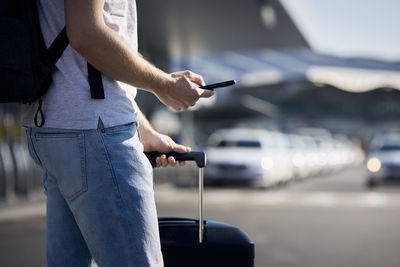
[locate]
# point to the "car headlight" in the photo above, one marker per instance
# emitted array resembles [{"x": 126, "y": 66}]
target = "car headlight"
[
  {"x": 267, "y": 163},
  {"x": 374, "y": 164}
]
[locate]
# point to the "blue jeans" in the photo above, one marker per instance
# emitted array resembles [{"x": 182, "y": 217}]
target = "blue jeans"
[{"x": 100, "y": 199}]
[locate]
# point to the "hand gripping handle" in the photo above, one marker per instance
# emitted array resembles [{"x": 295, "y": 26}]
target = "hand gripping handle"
[
  {"x": 200, "y": 159},
  {"x": 198, "y": 156}
]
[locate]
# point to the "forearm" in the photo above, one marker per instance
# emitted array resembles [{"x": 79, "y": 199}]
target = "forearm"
[
  {"x": 106, "y": 50},
  {"x": 145, "y": 128}
]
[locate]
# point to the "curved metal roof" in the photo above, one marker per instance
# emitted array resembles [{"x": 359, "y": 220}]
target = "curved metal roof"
[{"x": 267, "y": 67}]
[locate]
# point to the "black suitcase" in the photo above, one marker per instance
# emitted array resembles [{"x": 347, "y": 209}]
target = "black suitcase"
[{"x": 194, "y": 243}]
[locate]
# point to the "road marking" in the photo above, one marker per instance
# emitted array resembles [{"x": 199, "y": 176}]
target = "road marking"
[
  {"x": 283, "y": 198},
  {"x": 373, "y": 200},
  {"x": 216, "y": 197},
  {"x": 323, "y": 199},
  {"x": 273, "y": 198}
]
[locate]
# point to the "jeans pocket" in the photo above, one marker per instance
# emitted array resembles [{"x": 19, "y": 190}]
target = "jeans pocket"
[
  {"x": 132, "y": 126},
  {"x": 63, "y": 157},
  {"x": 31, "y": 148}
]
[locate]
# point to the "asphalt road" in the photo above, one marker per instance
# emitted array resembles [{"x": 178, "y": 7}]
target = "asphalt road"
[{"x": 328, "y": 221}]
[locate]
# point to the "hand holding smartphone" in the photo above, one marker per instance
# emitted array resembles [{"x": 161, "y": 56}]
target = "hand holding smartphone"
[{"x": 218, "y": 85}]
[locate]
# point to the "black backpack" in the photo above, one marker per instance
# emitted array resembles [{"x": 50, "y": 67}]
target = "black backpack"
[{"x": 26, "y": 64}]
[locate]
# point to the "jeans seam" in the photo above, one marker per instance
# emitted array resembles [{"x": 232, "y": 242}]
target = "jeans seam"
[
  {"x": 56, "y": 136},
  {"x": 82, "y": 150},
  {"x": 120, "y": 128},
  {"x": 113, "y": 177},
  {"x": 30, "y": 144}
]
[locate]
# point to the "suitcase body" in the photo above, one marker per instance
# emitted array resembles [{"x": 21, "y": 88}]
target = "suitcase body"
[
  {"x": 202, "y": 243},
  {"x": 223, "y": 244}
]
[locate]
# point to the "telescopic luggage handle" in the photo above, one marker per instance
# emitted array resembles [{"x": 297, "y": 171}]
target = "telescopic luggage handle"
[{"x": 200, "y": 158}]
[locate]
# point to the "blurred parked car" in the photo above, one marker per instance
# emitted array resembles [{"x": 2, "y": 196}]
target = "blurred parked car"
[
  {"x": 383, "y": 161},
  {"x": 265, "y": 158},
  {"x": 304, "y": 155},
  {"x": 259, "y": 157}
]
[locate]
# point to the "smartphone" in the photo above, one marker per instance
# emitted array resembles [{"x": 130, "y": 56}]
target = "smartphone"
[{"x": 218, "y": 85}]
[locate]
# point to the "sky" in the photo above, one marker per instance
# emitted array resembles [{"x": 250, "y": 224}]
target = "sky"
[{"x": 365, "y": 28}]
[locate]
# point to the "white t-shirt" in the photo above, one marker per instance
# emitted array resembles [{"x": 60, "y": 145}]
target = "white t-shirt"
[{"x": 68, "y": 104}]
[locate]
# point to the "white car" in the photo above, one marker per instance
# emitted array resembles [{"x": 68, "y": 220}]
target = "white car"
[
  {"x": 304, "y": 155},
  {"x": 259, "y": 157},
  {"x": 383, "y": 161}
]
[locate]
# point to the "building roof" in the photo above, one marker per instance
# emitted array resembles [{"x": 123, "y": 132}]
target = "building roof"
[{"x": 266, "y": 67}]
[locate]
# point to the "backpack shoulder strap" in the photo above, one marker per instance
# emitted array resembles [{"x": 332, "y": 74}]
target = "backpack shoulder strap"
[
  {"x": 95, "y": 82},
  {"x": 55, "y": 51}
]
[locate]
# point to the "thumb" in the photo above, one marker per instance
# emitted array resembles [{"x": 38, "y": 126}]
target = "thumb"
[
  {"x": 206, "y": 93},
  {"x": 180, "y": 148}
]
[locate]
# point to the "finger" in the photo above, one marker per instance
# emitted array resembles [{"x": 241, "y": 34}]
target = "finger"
[
  {"x": 176, "y": 105},
  {"x": 181, "y": 104},
  {"x": 181, "y": 163},
  {"x": 180, "y": 73},
  {"x": 180, "y": 148},
  {"x": 171, "y": 161},
  {"x": 196, "y": 78},
  {"x": 164, "y": 161},
  {"x": 175, "y": 74},
  {"x": 158, "y": 162},
  {"x": 185, "y": 107},
  {"x": 204, "y": 93}
]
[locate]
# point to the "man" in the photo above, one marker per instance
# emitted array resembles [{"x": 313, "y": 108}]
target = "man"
[{"x": 98, "y": 182}]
